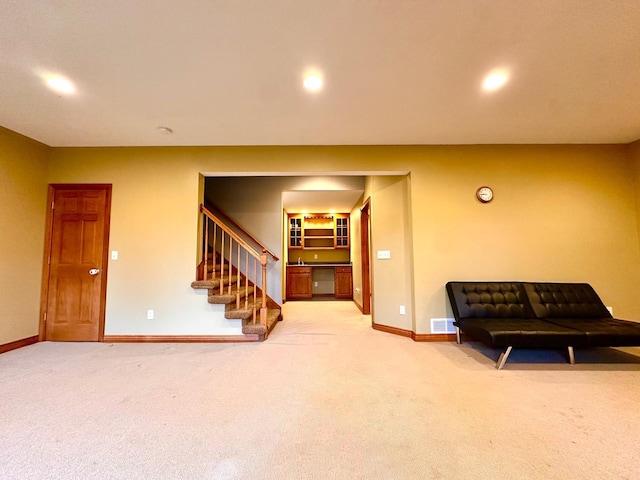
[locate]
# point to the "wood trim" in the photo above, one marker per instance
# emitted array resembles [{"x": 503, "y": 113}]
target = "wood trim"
[
  {"x": 416, "y": 337},
  {"x": 359, "y": 307},
  {"x": 7, "y": 347},
  {"x": 44, "y": 289},
  {"x": 433, "y": 337},
  {"x": 105, "y": 260},
  {"x": 181, "y": 338},
  {"x": 365, "y": 256},
  {"x": 395, "y": 330}
]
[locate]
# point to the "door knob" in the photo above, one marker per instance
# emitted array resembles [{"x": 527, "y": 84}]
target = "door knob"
[{"x": 94, "y": 271}]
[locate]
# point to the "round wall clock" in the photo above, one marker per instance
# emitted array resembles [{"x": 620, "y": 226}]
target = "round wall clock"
[{"x": 484, "y": 194}]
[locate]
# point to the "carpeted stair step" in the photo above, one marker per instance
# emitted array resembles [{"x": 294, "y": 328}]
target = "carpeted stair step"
[
  {"x": 227, "y": 298},
  {"x": 273, "y": 315},
  {"x": 242, "y": 313},
  {"x": 212, "y": 284},
  {"x": 211, "y": 267}
]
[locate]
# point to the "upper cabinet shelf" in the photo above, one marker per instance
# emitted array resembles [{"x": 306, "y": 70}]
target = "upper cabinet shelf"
[{"x": 319, "y": 231}]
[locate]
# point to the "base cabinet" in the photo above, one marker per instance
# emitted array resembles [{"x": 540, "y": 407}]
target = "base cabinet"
[
  {"x": 299, "y": 283},
  {"x": 343, "y": 283},
  {"x": 300, "y": 280}
]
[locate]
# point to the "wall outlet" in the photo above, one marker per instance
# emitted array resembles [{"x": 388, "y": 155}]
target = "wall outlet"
[
  {"x": 114, "y": 255},
  {"x": 402, "y": 312},
  {"x": 149, "y": 314},
  {"x": 315, "y": 284},
  {"x": 315, "y": 256}
]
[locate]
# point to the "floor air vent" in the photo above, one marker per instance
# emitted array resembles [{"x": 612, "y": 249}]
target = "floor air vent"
[{"x": 442, "y": 325}]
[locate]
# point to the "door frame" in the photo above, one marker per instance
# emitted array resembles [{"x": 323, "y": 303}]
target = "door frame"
[
  {"x": 48, "y": 236},
  {"x": 365, "y": 234}
]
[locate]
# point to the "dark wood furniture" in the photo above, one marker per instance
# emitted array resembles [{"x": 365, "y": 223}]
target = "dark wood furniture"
[
  {"x": 299, "y": 283},
  {"x": 343, "y": 283}
]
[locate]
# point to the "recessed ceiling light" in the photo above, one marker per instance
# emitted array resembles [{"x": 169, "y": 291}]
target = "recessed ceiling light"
[
  {"x": 165, "y": 130},
  {"x": 60, "y": 84},
  {"x": 313, "y": 82},
  {"x": 495, "y": 80}
]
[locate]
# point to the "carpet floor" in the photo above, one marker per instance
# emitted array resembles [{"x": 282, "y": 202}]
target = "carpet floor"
[{"x": 325, "y": 397}]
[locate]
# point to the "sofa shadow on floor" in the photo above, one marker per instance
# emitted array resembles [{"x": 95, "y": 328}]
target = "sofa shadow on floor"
[{"x": 593, "y": 359}]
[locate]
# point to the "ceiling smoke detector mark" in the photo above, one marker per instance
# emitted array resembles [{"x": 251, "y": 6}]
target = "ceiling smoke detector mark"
[{"x": 165, "y": 130}]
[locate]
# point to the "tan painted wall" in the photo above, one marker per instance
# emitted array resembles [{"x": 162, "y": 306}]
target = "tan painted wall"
[
  {"x": 23, "y": 198},
  {"x": 356, "y": 250},
  {"x": 560, "y": 213},
  {"x": 391, "y": 230}
]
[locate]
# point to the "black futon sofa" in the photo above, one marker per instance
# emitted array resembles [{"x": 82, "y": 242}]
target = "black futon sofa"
[{"x": 537, "y": 315}]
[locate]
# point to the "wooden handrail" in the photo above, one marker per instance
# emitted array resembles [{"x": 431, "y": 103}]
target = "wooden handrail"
[
  {"x": 229, "y": 232},
  {"x": 229, "y": 220}
]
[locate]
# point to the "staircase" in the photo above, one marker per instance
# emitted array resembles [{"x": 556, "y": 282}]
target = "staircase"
[
  {"x": 229, "y": 272},
  {"x": 240, "y": 302}
]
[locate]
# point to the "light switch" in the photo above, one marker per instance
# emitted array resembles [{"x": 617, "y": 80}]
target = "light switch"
[
  {"x": 114, "y": 255},
  {"x": 384, "y": 254}
]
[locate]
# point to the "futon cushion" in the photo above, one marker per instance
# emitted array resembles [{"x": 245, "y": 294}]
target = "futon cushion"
[
  {"x": 599, "y": 332},
  {"x": 527, "y": 332},
  {"x": 565, "y": 300},
  {"x": 488, "y": 300}
]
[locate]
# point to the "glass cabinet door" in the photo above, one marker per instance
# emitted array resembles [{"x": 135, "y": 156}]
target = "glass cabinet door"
[
  {"x": 295, "y": 232},
  {"x": 342, "y": 232}
]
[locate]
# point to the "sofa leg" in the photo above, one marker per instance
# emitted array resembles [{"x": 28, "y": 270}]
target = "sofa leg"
[
  {"x": 458, "y": 339},
  {"x": 502, "y": 359},
  {"x": 572, "y": 358}
]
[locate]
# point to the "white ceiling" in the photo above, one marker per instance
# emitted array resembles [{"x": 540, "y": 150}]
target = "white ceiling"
[{"x": 229, "y": 72}]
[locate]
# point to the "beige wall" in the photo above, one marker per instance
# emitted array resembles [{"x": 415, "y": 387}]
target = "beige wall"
[
  {"x": 561, "y": 213},
  {"x": 356, "y": 250},
  {"x": 391, "y": 230},
  {"x": 23, "y": 199}
]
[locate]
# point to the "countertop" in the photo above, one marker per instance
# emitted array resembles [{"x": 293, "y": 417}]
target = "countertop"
[{"x": 319, "y": 264}]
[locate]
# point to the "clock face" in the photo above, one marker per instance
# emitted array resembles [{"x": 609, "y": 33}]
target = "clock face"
[{"x": 484, "y": 194}]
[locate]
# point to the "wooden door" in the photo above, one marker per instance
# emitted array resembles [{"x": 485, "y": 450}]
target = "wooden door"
[{"x": 77, "y": 261}]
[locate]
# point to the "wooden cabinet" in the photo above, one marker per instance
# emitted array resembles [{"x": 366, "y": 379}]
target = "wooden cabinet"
[
  {"x": 299, "y": 283},
  {"x": 318, "y": 231},
  {"x": 343, "y": 282}
]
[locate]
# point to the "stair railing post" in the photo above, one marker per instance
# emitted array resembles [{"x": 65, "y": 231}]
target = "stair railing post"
[
  {"x": 206, "y": 248},
  {"x": 238, "y": 284},
  {"x": 263, "y": 307}
]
